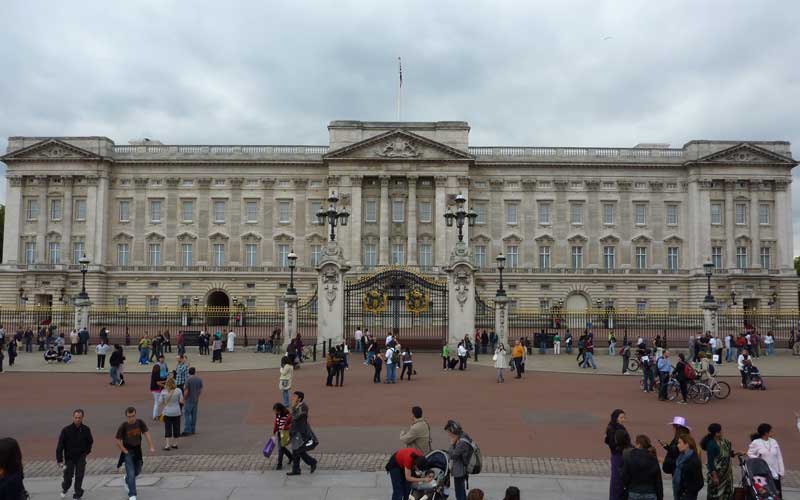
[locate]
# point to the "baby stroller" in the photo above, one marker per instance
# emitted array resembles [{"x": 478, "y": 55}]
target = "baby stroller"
[
  {"x": 753, "y": 377},
  {"x": 438, "y": 469},
  {"x": 757, "y": 480}
]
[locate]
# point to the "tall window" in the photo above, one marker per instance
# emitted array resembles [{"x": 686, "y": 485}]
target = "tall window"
[
  {"x": 370, "y": 255},
  {"x": 251, "y": 255},
  {"x": 314, "y": 207},
  {"x": 122, "y": 254},
  {"x": 766, "y": 258},
  {"x": 80, "y": 209},
  {"x": 219, "y": 211},
  {"x": 54, "y": 252},
  {"x": 672, "y": 258},
  {"x": 155, "y": 211},
  {"x": 77, "y": 251},
  {"x": 741, "y": 258},
  {"x": 398, "y": 254},
  {"x": 741, "y": 214},
  {"x": 30, "y": 253},
  {"x": 544, "y": 213},
  {"x": 251, "y": 211},
  {"x": 672, "y": 215},
  {"x": 763, "y": 214},
  {"x": 609, "y": 257},
  {"x": 32, "y": 210},
  {"x": 608, "y": 213},
  {"x": 284, "y": 212},
  {"x": 187, "y": 210},
  {"x": 152, "y": 303},
  {"x": 641, "y": 257},
  {"x": 577, "y": 257},
  {"x": 511, "y": 213},
  {"x": 124, "y": 210},
  {"x": 480, "y": 211},
  {"x": 218, "y": 253},
  {"x": 426, "y": 255},
  {"x": 283, "y": 255},
  {"x": 576, "y": 213},
  {"x": 187, "y": 254},
  {"x": 544, "y": 257},
  {"x": 716, "y": 214},
  {"x": 641, "y": 306},
  {"x": 155, "y": 254},
  {"x": 512, "y": 256},
  {"x": 316, "y": 254},
  {"x": 480, "y": 256},
  {"x": 398, "y": 210},
  {"x": 425, "y": 209},
  {"x": 673, "y": 306},
  {"x": 55, "y": 209},
  {"x": 371, "y": 211},
  {"x": 640, "y": 214},
  {"x": 716, "y": 257}
]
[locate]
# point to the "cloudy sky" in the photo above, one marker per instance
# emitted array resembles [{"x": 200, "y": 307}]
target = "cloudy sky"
[{"x": 568, "y": 73}]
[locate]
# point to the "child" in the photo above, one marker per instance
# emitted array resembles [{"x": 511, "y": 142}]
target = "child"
[
  {"x": 12, "y": 352},
  {"x": 377, "y": 362}
]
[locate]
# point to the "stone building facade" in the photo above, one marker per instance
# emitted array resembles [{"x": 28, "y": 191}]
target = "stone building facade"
[{"x": 163, "y": 224}]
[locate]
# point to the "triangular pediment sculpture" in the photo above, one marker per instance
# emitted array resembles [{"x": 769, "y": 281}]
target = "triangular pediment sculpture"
[
  {"x": 51, "y": 150},
  {"x": 745, "y": 153},
  {"x": 398, "y": 145}
]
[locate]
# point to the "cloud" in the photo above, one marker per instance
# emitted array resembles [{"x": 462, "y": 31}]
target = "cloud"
[{"x": 522, "y": 73}]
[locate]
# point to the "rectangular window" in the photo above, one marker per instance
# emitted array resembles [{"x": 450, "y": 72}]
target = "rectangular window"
[
  {"x": 763, "y": 214},
  {"x": 609, "y": 257},
  {"x": 155, "y": 211},
  {"x": 30, "y": 253},
  {"x": 218, "y": 253},
  {"x": 741, "y": 214},
  {"x": 283, "y": 255},
  {"x": 54, "y": 252},
  {"x": 251, "y": 302},
  {"x": 672, "y": 258},
  {"x": 741, "y": 258},
  {"x": 480, "y": 256},
  {"x": 155, "y": 254},
  {"x": 152, "y": 302},
  {"x": 77, "y": 251},
  {"x": 80, "y": 210},
  {"x": 480, "y": 210},
  {"x": 716, "y": 257},
  {"x": 577, "y": 258},
  {"x": 32, "y": 210},
  {"x": 123, "y": 251},
  {"x": 398, "y": 254},
  {"x": 576, "y": 213},
  {"x": 640, "y": 214},
  {"x": 187, "y": 254},
  {"x": 284, "y": 212},
  {"x": 673, "y": 306},
  {"x": 716, "y": 214},
  {"x": 511, "y": 213},
  {"x": 370, "y": 255},
  {"x": 544, "y": 257},
  {"x": 641, "y": 257},
  {"x": 608, "y": 213},
  {"x": 512, "y": 256},
  {"x": 124, "y": 210},
  {"x": 544, "y": 305},
  {"x": 55, "y": 209},
  {"x": 251, "y": 255},
  {"x": 672, "y": 215},
  {"x": 766, "y": 258},
  {"x": 426, "y": 255},
  {"x": 187, "y": 210},
  {"x": 219, "y": 211},
  {"x": 251, "y": 211},
  {"x": 425, "y": 211},
  {"x": 371, "y": 211},
  {"x": 544, "y": 213},
  {"x": 398, "y": 210},
  {"x": 122, "y": 302},
  {"x": 314, "y": 207},
  {"x": 316, "y": 254},
  {"x": 641, "y": 306}
]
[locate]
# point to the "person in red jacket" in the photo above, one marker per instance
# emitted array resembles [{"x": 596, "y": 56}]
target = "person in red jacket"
[
  {"x": 280, "y": 428},
  {"x": 400, "y": 466}
]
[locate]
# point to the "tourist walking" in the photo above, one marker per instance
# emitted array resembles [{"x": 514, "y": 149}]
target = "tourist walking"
[
  {"x": 392, "y": 359},
  {"x": 687, "y": 481},
  {"x": 280, "y": 430},
  {"x": 664, "y": 367},
  {"x": 231, "y": 340},
  {"x": 74, "y": 346},
  {"x": 157, "y": 381},
  {"x": 616, "y": 487},
  {"x": 556, "y": 343},
  {"x": 167, "y": 342},
  {"x": 74, "y": 444},
  {"x": 357, "y": 339},
  {"x": 445, "y": 356},
  {"x": 460, "y": 452},
  {"x": 217, "y": 348},
  {"x": 285, "y": 379},
  {"x": 588, "y": 353},
  {"x": 720, "y": 473},
  {"x": 680, "y": 375},
  {"x": 2, "y": 357},
  {"x": 400, "y": 468},
  {"x": 484, "y": 342},
  {"x": 170, "y": 402},
  {"x": 417, "y": 436},
  {"x": 302, "y": 437},
  {"x": 102, "y": 349},
  {"x": 28, "y": 339},
  {"x": 407, "y": 358},
  {"x": 191, "y": 397},
  {"x": 12, "y": 352},
  {"x": 568, "y": 341},
  {"x": 181, "y": 371},
  {"x": 728, "y": 348},
  {"x": 129, "y": 441},
  {"x": 647, "y": 371},
  {"x": 83, "y": 341},
  {"x": 377, "y": 363},
  {"x": 11, "y": 470},
  {"x": 144, "y": 350},
  {"x": 626, "y": 356},
  {"x": 115, "y": 364},
  {"x": 769, "y": 343},
  {"x": 493, "y": 339},
  {"x": 641, "y": 472},
  {"x": 500, "y": 363},
  {"x": 518, "y": 358},
  {"x": 463, "y": 354},
  {"x": 740, "y": 362},
  {"x": 765, "y": 447}
]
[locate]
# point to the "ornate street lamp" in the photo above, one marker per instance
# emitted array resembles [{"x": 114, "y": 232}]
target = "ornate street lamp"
[
  {"x": 733, "y": 296},
  {"x": 333, "y": 217},
  {"x": 84, "y": 262},
  {"x": 501, "y": 264},
  {"x": 708, "y": 266},
  {"x": 460, "y": 215},
  {"x": 773, "y": 299},
  {"x": 292, "y": 258}
]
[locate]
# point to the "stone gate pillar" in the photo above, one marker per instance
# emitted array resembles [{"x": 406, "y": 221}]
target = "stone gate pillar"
[
  {"x": 501, "y": 319},
  {"x": 710, "y": 323},
  {"x": 289, "y": 319},
  {"x": 82, "y": 313},
  {"x": 330, "y": 296},
  {"x": 460, "y": 295}
]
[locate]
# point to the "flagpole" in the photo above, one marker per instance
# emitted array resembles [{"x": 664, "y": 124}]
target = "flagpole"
[{"x": 400, "y": 89}]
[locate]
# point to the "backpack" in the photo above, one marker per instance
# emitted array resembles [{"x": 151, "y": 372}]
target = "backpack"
[
  {"x": 688, "y": 371},
  {"x": 395, "y": 356},
  {"x": 711, "y": 369},
  {"x": 475, "y": 463}
]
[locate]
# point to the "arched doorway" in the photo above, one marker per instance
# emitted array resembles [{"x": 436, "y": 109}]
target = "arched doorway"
[
  {"x": 218, "y": 308},
  {"x": 576, "y": 307}
]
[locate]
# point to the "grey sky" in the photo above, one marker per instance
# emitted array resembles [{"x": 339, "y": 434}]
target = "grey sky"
[{"x": 522, "y": 73}]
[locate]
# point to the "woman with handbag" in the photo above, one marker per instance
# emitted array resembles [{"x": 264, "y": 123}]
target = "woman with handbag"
[
  {"x": 500, "y": 362},
  {"x": 171, "y": 400},
  {"x": 285, "y": 381},
  {"x": 280, "y": 432}
]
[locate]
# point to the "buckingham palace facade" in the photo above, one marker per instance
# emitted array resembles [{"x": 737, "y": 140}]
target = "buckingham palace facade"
[{"x": 631, "y": 227}]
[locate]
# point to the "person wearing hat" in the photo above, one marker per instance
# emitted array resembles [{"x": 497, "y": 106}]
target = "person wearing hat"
[{"x": 680, "y": 426}]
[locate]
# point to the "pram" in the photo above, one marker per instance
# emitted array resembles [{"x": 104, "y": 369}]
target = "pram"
[
  {"x": 438, "y": 468},
  {"x": 757, "y": 480},
  {"x": 753, "y": 378}
]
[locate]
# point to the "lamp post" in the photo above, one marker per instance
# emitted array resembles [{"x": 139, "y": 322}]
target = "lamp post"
[
  {"x": 195, "y": 301},
  {"x": 501, "y": 264},
  {"x": 333, "y": 217},
  {"x": 84, "y": 262},
  {"x": 708, "y": 266},
  {"x": 733, "y": 296},
  {"x": 292, "y": 258},
  {"x": 460, "y": 215}
]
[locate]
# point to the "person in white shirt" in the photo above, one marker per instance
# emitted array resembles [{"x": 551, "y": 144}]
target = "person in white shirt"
[
  {"x": 744, "y": 356},
  {"x": 102, "y": 349},
  {"x": 73, "y": 342},
  {"x": 391, "y": 366},
  {"x": 231, "y": 340},
  {"x": 389, "y": 339},
  {"x": 763, "y": 446},
  {"x": 769, "y": 344},
  {"x": 728, "y": 350},
  {"x": 359, "y": 334},
  {"x": 462, "y": 356}
]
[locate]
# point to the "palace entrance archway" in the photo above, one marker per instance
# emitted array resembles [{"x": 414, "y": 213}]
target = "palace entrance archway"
[{"x": 218, "y": 308}]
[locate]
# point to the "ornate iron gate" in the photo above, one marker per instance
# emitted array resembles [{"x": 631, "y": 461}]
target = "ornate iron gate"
[{"x": 411, "y": 306}]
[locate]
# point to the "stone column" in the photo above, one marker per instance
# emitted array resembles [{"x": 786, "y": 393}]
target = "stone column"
[
  {"x": 66, "y": 223},
  {"x": 411, "y": 253},
  {"x": 460, "y": 295},
  {"x": 204, "y": 216},
  {"x": 44, "y": 216},
  {"x": 330, "y": 292},
  {"x": 289, "y": 319},
  {"x": 783, "y": 225},
  {"x": 730, "y": 244},
  {"x": 755, "y": 237},
  {"x": 171, "y": 253},
  {"x": 710, "y": 323},
  {"x": 439, "y": 225},
  {"x": 383, "y": 251},
  {"x": 14, "y": 205},
  {"x": 266, "y": 224},
  {"x": 301, "y": 218},
  {"x": 501, "y": 318},
  {"x": 355, "y": 221}
]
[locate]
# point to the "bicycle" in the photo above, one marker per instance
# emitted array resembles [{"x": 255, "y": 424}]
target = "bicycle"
[
  {"x": 697, "y": 392},
  {"x": 719, "y": 389}
]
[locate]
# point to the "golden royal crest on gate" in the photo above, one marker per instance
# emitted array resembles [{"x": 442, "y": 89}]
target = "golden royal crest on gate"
[
  {"x": 416, "y": 301},
  {"x": 375, "y": 301}
]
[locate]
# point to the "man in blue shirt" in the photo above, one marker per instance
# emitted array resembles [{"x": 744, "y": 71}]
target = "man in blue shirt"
[{"x": 664, "y": 369}]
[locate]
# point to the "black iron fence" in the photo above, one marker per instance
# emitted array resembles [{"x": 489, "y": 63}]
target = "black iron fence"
[
  {"x": 307, "y": 320},
  {"x": 15, "y": 318},
  {"x": 484, "y": 313}
]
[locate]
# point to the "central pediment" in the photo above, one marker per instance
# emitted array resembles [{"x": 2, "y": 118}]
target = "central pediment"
[
  {"x": 745, "y": 153},
  {"x": 399, "y": 145}
]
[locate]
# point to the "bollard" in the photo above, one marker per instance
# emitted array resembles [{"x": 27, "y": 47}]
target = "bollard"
[
  {"x": 324, "y": 347},
  {"x": 314, "y": 351}
]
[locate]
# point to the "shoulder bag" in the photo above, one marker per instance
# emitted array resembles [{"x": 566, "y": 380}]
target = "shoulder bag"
[{"x": 164, "y": 407}]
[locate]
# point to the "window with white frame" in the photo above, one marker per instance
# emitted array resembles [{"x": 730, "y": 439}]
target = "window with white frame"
[
  {"x": 218, "y": 254},
  {"x": 608, "y": 213},
  {"x": 544, "y": 213},
  {"x": 54, "y": 252},
  {"x": 314, "y": 206},
  {"x": 640, "y": 214},
  {"x": 609, "y": 257},
  {"x": 124, "y": 210},
  {"x": 511, "y": 213},
  {"x": 641, "y": 306},
  {"x": 425, "y": 211},
  {"x": 741, "y": 214},
  {"x": 316, "y": 254},
  {"x": 576, "y": 213},
  {"x": 766, "y": 257},
  {"x": 78, "y": 251},
  {"x": 673, "y": 254},
  {"x": 371, "y": 211},
  {"x": 123, "y": 252},
  {"x": 716, "y": 257},
  {"x": 187, "y": 254},
  {"x": 398, "y": 210},
  {"x": 716, "y": 214},
  {"x": 30, "y": 252},
  {"x": 251, "y": 211},
  {"x": 122, "y": 302},
  {"x": 155, "y": 211},
  {"x": 672, "y": 214},
  {"x": 80, "y": 209},
  {"x": 250, "y": 301},
  {"x": 641, "y": 257},
  {"x": 219, "y": 211},
  {"x": 155, "y": 254},
  {"x": 152, "y": 302},
  {"x": 187, "y": 210},
  {"x": 479, "y": 256},
  {"x": 55, "y": 210},
  {"x": 480, "y": 211},
  {"x": 512, "y": 256},
  {"x": 763, "y": 214},
  {"x": 741, "y": 258},
  {"x": 251, "y": 254},
  {"x": 283, "y": 255},
  {"x": 425, "y": 257},
  {"x": 398, "y": 254},
  {"x": 284, "y": 212},
  {"x": 370, "y": 254},
  {"x": 544, "y": 257},
  {"x": 673, "y": 306},
  {"x": 32, "y": 209},
  {"x": 544, "y": 305},
  {"x": 577, "y": 257}
]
